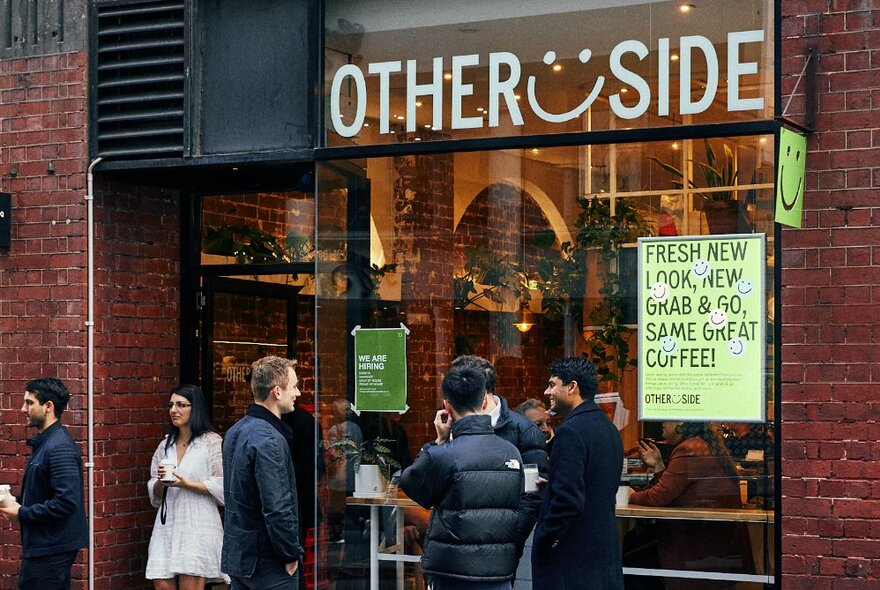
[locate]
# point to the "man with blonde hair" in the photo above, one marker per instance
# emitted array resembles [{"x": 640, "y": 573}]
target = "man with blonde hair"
[{"x": 261, "y": 546}]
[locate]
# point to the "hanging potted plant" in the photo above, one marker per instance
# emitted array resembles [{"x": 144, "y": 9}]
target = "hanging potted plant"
[
  {"x": 724, "y": 213},
  {"x": 372, "y": 462},
  {"x": 601, "y": 235}
]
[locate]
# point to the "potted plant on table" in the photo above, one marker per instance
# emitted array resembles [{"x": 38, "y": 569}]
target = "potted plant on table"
[
  {"x": 372, "y": 462},
  {"x": 722, "y": 209}
]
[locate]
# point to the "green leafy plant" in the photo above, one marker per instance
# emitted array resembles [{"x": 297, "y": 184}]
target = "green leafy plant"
[
  {"x": 561, "y": 279},
  {"x": 251, "y": 245},
  {"x": 245, "y": 243},
  {"x": 603, "y": 233},
  {"x": 717, "y": 172},
  {"x": 499, "y": 275},
  {"x": 374, "y": 451},
  {"x": 376, "y": 273},
  {"x": 299, "y": 247}
]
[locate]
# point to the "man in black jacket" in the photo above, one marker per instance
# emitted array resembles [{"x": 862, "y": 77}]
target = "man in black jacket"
[
  {"x": 51, "y": 515},
  {"x": 576, "y": 541},
  {"x": 472, "y": 481},
  {"x": 525, "y": 436},
  {"x": 261, "y": 545}
]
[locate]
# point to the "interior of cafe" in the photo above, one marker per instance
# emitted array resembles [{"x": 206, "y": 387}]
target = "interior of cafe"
[{"x": 518, "y": 252}]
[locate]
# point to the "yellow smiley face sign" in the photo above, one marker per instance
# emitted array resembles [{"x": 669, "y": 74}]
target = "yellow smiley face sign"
[{"x": 790, "y": 178}]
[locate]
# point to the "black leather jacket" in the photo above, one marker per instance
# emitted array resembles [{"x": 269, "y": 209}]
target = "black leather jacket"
[
  {"x": 261, "y": 520},
  {"x": 473, "y": 485}
]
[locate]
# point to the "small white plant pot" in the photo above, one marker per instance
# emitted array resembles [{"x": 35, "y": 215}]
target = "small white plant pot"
[{"x": 369, "y": 482}]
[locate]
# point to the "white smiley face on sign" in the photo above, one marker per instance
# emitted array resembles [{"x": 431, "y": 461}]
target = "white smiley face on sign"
[
  {"x": 550, "y": 59},
  {"x": 744, "y": 287},
  {"x": 659, "y": 291},
  {"x": 718, "y": 318},
  {"x": 736, "y": 346},
  {"x": 669, "y": 345},
  {"x": 700, "y": 268}
]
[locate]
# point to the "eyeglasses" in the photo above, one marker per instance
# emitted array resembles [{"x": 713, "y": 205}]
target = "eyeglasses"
[{"x": 178, "y": 405}]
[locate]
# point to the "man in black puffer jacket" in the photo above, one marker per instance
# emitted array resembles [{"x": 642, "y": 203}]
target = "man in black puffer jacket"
[
  {"x": 525, "y": 436},
  {"x": 473, "y": 484}
]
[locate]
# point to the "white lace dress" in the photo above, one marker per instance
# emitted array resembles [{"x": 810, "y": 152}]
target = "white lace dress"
[{"x": 190, "y": 540}]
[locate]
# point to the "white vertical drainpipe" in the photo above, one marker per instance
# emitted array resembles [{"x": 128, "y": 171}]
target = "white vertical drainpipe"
[{"x": 90, "y": 365}]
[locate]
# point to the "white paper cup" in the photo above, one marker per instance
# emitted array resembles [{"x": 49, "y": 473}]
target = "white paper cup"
[
  {"x": 5, "y": 494},
  {"x": 530, "y": 470},
  {"x": 170, "y": 465},
  {"x": 623, "y": 494}
]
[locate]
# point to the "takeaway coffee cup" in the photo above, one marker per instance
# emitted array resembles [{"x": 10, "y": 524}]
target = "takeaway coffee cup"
[
  {"x": 170, "y": 465},
  {"x": 623, "y": 494},
  {"x": 5, "y": 494},
  {"x": 530, "y": 470}
]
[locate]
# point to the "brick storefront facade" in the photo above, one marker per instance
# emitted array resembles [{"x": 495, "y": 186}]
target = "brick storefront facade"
[
  {"x": 830, "y": 301},
  {"x": 831, "y": 306}
]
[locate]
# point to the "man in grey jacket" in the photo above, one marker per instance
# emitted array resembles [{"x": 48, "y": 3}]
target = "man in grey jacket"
[{"x": 261, "y": 547}]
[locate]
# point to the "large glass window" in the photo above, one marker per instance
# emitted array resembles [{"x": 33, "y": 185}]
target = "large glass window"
[
  {"x": 524, "y": 256},
  {"x": 401, "y": 71}
]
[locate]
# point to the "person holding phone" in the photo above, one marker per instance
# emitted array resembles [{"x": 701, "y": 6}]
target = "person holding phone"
[
  {"x": 472, "y": 481},
  {"x": 699, "y": 474},
  {"x": 525, "y": 436}
]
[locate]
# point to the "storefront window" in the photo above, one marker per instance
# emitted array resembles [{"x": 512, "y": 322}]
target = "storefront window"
[
  {"x": 421, "y": 71},
  {"x": 524, "y": 256},
  {"x": 258, "y": 228}
]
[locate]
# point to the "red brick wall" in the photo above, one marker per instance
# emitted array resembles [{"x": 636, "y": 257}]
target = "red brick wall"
[
  {"x": 423, "y": 204},
  {"x": 137, "y": 341},
  {"x": 43, "y": 110},
  {"x": 831, "y": 307},
  {"x": 42, "y": 275}
]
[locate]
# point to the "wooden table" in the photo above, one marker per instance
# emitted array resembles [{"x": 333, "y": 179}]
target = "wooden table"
[
  {"x": 394, "y": 553},
  {"x": 754, "y": 518},
  {"x": 714, "y": 514}
]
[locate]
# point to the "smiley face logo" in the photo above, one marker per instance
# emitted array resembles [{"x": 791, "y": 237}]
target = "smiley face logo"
[
  {"x": 669, "y": 345},
  {"x": 744, "y": 287},
  {"x": 717, "y": 318},
  {"x": 736, "y": 346},
  {"x": 549, "y": 58},
  {"x": 790, "y": 180},
  {"x": 659, "y": 292},
  {"x": 700, "y": 268}
]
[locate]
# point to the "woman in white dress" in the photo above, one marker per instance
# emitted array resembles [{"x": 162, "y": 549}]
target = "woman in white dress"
[{"x": 187, "y": 535}]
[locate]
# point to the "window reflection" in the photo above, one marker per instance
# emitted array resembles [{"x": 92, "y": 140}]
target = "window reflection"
[{"x": 468, "y": 239}]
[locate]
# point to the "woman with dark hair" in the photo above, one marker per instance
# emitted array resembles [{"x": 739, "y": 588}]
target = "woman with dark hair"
[
  {"x": 185, "y": 546},
  {"x": 700, "y": 474}
]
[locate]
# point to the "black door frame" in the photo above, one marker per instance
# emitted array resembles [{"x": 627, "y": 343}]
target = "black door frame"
[{"x": 237, "y": 286}]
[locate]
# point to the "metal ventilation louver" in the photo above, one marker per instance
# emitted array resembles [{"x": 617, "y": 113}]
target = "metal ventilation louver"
[{"x": 141, "y": 76}]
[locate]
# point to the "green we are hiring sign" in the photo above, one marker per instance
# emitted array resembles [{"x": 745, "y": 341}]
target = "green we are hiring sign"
[
  {"x": 380, "y": 369},
  {"x": 702, "y": 324}
]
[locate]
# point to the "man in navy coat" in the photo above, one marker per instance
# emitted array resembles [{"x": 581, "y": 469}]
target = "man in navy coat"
[
  {"x": 51, "y": 513},
  {"x": 576, "y": 544}
]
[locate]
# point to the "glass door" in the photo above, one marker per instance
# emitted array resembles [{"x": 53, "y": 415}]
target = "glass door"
[{"x": 244, "y": 319}]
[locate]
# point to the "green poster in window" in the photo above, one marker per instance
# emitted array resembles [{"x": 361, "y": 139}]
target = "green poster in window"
[
  {"x": 380, "y": 369},
  {"x": 702, "y": 345}
]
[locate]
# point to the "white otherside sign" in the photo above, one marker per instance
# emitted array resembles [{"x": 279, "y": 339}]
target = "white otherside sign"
[{"x": 505, "y": 70}]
